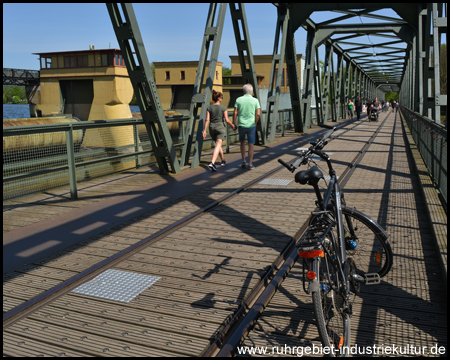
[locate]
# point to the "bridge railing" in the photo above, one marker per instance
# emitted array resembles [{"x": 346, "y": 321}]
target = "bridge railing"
[
  {"x": 37, "y": 158},
  {"x": 431, "y": 140}
]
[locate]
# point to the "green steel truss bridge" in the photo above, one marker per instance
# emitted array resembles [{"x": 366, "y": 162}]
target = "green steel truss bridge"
[{"x": 404, "y": 62}]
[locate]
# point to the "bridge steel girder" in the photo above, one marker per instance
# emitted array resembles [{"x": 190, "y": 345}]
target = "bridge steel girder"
[
  {"x": 422, "y": 66},
  {"x": 294, "y": 79},
  {"x": 308, "y": 78},
  {"x": 244, "y": 46},
  {"x": 326, "y": 81},
  {"x": 273, "y": 95},
  {"x": 127, "y": 30},
  {"x": 338, "y": 88},
  {"x": 199, "y": 99}
]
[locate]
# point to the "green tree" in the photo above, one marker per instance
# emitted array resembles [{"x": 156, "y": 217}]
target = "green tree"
[
  {"x": 4, "y": 99},
  {"x": 226, "y": 71},
  {"x": 391, "y": 96},
  {"x": 16, "y": 99},
  {"x": 16, "y": 91},
  {"x": 7, "y": 91},
  {"x": 23, "y": 93}
]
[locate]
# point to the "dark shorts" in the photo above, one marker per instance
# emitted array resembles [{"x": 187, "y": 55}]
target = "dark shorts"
[
  {"x": 217, "y": 131},
  {"x": 251, "y": 133}
]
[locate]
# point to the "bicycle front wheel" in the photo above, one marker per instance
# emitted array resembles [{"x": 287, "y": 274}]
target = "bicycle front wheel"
[{"x": 366, "y": 243}]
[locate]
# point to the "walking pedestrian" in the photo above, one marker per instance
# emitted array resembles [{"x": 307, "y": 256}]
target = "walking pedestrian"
[
  {"x": 248, "y": 111},
  {"x": 358, "y": 108},
  {"x": 350, "y": 108},
  {"x": 215, "y": 116}
]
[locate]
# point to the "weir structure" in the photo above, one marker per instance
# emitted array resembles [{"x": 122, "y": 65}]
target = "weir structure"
[{"x": 407, "y": 64}]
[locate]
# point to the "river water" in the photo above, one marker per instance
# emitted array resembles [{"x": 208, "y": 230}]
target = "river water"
[{"x": 18, "y": 111}]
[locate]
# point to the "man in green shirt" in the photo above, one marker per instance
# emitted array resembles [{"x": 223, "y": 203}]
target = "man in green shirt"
[{"x": 248, "y": 110}]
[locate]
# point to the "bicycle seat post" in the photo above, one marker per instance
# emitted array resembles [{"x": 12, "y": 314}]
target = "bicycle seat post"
[{"x": 319, "y": 196}]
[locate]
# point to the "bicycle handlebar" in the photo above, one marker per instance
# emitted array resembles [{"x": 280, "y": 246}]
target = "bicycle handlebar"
[
  {"x": 287, "y": 166},
  {"x": 315, "y": 149}
]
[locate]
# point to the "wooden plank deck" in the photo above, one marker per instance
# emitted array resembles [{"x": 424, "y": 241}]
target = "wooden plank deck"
[
  {"x": 207, "y": 268},
  {"x": 409, "y": 307}
]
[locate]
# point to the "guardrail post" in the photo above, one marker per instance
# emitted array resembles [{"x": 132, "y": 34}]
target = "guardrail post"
[
  {"x": 71, "y": 163},
  {"x": 136, "y": 145},
  {"x": 227, "y": 147}
]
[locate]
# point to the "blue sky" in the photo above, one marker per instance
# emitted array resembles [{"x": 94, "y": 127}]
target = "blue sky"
[{"x": 171, "y": 32}]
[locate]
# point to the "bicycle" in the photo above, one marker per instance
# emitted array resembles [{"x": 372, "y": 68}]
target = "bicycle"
[{"x": 341, "y": 249}]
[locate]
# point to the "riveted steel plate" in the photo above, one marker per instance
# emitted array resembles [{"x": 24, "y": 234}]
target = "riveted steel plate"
[
  {"x": 117, "y": 285},
  {"x": 277, "y": 182}
]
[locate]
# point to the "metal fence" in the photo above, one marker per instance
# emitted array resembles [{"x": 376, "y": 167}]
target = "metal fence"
[
  {"x": 431, "y": 140},
  {"x": 42, "y": 157}
]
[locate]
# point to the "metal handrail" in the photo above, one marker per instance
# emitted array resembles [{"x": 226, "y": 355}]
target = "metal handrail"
[
  {"x": 431, "y": 139},
  {"x": 69, "y": 128}
]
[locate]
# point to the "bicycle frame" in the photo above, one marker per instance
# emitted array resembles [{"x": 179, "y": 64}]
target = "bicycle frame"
[{"x": 333, "y": 192}]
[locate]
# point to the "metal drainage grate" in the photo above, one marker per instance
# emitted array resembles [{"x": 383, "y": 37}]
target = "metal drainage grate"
[
  {"x": 278, "y": 182},
  {"x": 117, "y": 285}
]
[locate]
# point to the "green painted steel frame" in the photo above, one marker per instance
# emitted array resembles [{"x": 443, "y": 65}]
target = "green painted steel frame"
[
  {"x": 129, "y": 37},
  {"x": 199, "y": 99},
  {"x": 244, "y": 47}
]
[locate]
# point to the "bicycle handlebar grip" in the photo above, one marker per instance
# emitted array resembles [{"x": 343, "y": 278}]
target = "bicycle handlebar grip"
[{"x": 287, "y": 166}]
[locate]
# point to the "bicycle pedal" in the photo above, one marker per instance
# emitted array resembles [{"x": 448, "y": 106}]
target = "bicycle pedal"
[{"x": 372, "y": 279}]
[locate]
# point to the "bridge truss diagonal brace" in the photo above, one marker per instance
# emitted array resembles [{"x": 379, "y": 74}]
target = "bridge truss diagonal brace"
[
  {"x": 273, "y": 95},
  {"x": 309, "y": 79},
  {"x": 128, "y": 33},
  {"x": 245, "y": 55},
  {"x": 201, "y": 100}
]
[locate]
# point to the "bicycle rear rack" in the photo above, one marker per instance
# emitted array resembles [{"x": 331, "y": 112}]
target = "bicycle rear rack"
[{"x": 314, "y": 236}]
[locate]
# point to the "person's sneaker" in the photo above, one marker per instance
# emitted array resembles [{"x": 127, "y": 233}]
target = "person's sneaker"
[
  {"x": 212, "y": 167},
  {"x": 251, "y": 167},
  {"x": 243, "y": 165},
  {"x": 223, "y": 163}
]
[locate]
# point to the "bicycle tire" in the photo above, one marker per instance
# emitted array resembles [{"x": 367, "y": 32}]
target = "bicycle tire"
[
  {"x": 333, "y": 323},
  {"x": 373, "y": 253}
]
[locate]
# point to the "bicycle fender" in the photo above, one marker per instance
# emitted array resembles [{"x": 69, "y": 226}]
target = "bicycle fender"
[
  {"x": 367, "y": 220},
  {"x": 314, "y": 286}
]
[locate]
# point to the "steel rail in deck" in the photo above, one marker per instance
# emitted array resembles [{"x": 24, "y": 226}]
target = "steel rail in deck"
[
  {"x": 248, "y": 313},
  {"x": 47, "y": 297}
]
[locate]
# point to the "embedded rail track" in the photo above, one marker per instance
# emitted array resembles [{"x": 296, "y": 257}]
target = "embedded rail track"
[{"x": 235, "y": 329}]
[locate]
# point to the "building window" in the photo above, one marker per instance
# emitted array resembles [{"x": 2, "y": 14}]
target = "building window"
[
  {"x": 217, "y": 75},
  {"x": 167, "y": 75},
  {"x": 119, "y": 61},
  {"x": 46, "y": 63},
  {"x": 182, "y": 75},
  {"x": 69, "y": 61},
  {"x": 104, "y": 60},
  {"x": 82, "y": 61}
]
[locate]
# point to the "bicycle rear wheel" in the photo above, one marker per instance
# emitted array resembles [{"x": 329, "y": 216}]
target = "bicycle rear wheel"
[
  {"x": 333, "y": 323},
  {"x": 373, "y": 253}
]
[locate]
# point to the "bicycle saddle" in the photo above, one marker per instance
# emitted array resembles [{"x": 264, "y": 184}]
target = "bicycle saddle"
[{"x": 310, "y": 176}]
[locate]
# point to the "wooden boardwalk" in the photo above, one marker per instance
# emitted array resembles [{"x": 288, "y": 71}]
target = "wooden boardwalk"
[{"x": 209, "y": 267}]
